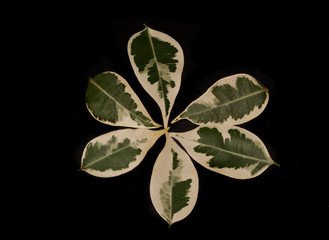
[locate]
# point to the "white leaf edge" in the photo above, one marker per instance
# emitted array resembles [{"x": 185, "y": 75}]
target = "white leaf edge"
[
  {"x": 152, "y": 89},
  {"x": 160, "y": 174},
  {"x": 124, "y": 115},
  {"x": 133, "y": 135},
  {"x": 208, "y": 98},
  {"x": 189, "y": 141}
]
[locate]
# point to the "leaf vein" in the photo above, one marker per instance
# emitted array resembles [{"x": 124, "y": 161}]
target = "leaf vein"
[
  {"x": 226, "y": 103},
  {"x": 227, "y": 151},
  {"x": 107, "y": 155},
  {"x": 156, "y": 65},
  {"x": 116, "y": 101}
]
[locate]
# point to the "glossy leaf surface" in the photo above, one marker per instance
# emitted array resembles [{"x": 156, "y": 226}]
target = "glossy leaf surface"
[
  {"x": 111, "y": 100},
  {"x": 157, "y": 60},
  {"x": 117, "y": 152},
  {"x": 174, "y": 183},
  {"x": 228, "y": 150},
  {"x": 232, "y": 100}
]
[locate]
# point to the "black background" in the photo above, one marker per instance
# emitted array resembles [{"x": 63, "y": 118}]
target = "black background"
[{"x": 285, "y": 48}]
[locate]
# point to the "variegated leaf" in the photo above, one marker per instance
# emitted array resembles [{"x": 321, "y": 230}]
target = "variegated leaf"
[
  {"x": 174, "y": 183},
  {"x": 111, "y": 100},
  {"x": 117, "y": 152},
  {"x": 157, "y": 60},
  {"x": 232, "y": 100},
  {"x": 228, "y": 150}
]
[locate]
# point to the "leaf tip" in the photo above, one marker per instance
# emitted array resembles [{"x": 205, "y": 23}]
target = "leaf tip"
[{"x": 276, "y": 164}]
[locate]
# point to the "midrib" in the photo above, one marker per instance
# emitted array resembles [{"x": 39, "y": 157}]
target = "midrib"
[
  {"x": 171, "y": 192},
  {"x": 107, "y": 94},
  {"x": 227, "y": 103},
  {"x": 157, "y": 66},
  {"x": 227, "y": 151},
  {"x": 100, "y": 159}
]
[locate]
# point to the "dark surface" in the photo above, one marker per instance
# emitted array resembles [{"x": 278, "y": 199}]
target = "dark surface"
[{"x": 287, "y": 53}]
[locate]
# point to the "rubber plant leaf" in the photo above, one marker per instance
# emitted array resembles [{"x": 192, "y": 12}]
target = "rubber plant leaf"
[
  {"x": 232, "y": 100},
  {"x": 157, "y": 60},
  {"x": 174, "y": 183},
  {"x": 228, "y": 150},
  {"x": 117, "y": 152},
  {"x": 111, "y": 100}
]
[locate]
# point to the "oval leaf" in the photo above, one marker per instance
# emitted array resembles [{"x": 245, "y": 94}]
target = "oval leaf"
[
  {"x": 174, "y": 183},
  {"x": 117, "y": 152},
  {"x": 111, "y": 100},
  {"x": 228, "y": 150},
  {"x": 232, "y": 100},
  {"x": 157, "y": 60}
]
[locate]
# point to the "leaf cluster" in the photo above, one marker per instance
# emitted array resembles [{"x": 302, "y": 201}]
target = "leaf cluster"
[{"x": 217, "y": 143}]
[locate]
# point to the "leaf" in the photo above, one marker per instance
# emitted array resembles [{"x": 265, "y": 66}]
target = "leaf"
[
  {"x": 111, "y": 100},
  {"x": 174, "y": 183},
  {"x": 117, "y": 152},
  {"x": 157, "y": 60},
  {"x": 228, "y": 150},
  {"x": 232, "y": 100}
]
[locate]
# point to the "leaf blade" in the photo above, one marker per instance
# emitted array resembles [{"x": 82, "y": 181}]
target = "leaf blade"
[
  {"x": 174, "y": 183},
  {"x": 228, "y": 150},
  {"x": 157, "y": 60},
  {"x": 231, "y": 100},
  {"x": 111, "y": 100},
  {"x": 117, "y": 152}
]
